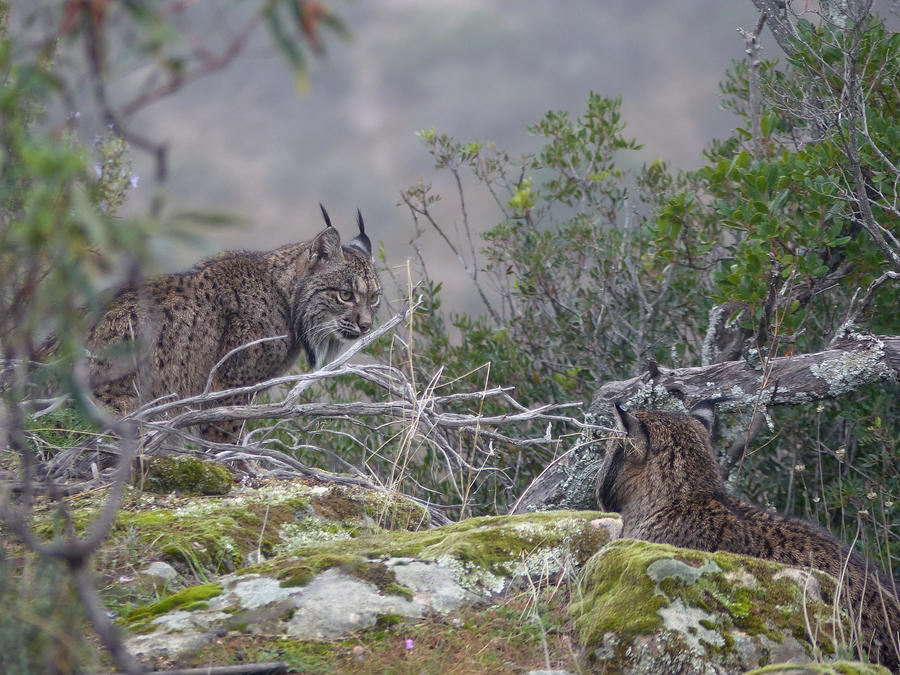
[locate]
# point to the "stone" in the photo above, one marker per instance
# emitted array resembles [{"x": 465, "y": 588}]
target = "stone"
[
  {"x": 434, "y": 585},
  {"x": 334, "y": 605},
  {"x": 652, "y": 608},
  {"x": 333, "y": 587},
  {"x": 161, "y": 571}
]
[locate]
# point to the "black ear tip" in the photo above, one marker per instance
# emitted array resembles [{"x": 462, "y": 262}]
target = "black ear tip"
[
  {"x": 361, "y": 242},
  {"x": 705, "y": 412},
  {"x": 325, "y": 215}
]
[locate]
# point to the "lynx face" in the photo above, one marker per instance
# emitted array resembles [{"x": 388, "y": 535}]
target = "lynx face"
[{"x": 338, "y": 302}]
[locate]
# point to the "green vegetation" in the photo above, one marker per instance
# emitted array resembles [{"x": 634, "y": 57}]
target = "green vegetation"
[
  {"x": 593, "y": 268},
  {"x": 628, "y": 588},
  {"x": 486, "y": 549},
  {"x": 40, "y": 618},
  {"x": 139, "y": 619},
  {"x": 597, "y": 266},
  {"x": 184, "y": 475}
]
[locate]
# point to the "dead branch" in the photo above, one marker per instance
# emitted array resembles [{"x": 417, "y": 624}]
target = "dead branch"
[{"x": 411, "y": 417}]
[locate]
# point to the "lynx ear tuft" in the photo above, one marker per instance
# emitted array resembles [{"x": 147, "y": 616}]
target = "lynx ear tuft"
[
  {"x": 325, "y": 215},
  {"x": 705, "y": 413},
  {"x": 637, "y": 438},
  {"x": 361, "y": 241}
]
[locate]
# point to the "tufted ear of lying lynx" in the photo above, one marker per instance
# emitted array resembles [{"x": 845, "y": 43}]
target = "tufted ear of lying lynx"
[
  {"x": 256, "y": 312},
  {"x": 636, "y": 443},
  {"x": 657, "y": 456},
  {"x": 660, "y": 473}
]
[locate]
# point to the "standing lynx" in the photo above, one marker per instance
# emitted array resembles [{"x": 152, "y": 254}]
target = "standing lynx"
[
  {"x": 165, "y": 336},
  {"x": 661, "y": 476}
]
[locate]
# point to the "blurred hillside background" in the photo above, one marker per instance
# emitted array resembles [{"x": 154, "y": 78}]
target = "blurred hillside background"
[{"x": 249, "y": 141}]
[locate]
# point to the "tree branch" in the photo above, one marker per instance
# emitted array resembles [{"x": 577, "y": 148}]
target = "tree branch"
[{"x": 789, "y": 380}]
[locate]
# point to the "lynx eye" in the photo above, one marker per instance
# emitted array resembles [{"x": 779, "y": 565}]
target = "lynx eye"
[
  {"x": 374, "y": 302},
  {"x": 345, "y": 295}
]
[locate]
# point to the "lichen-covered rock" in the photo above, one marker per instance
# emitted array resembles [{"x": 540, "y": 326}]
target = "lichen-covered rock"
[
  {"x": 652, "y": 608},
  {"x": 329, "y": 588},
  {"x": 206, "y": 535},
  {"x": 184, "y": 475},
  {"x": 160, "y": 573}
]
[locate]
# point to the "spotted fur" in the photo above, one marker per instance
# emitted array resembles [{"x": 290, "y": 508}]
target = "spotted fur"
[{"x": 165, "y": 336}]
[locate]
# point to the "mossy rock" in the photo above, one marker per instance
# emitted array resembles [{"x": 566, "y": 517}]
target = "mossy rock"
[
  {"x": 408, "y": 574},
  {"x": 184, "y": 475},
  {"x": 204, "y": 535},
  {"x": 649, "y": 608},
  {"x": 484, "y": 552},
  {"x": 187, "y": 599}
]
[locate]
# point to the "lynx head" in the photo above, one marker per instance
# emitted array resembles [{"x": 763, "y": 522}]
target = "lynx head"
[
  {"x": 338, "y": 295},
  {"x": 657, "y": 457}
]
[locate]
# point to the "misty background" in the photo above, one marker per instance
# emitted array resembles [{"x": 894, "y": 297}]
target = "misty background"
[{"x": 246, "y": 140}]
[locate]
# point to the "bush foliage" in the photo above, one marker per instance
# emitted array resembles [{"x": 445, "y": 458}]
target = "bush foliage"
[
  {"x": 593, "y": 267},
  {"x": 596, "y": 266}
]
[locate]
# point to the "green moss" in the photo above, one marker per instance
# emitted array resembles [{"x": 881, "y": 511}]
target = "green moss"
[
  {"x": 399, "y": 589},
  {"x": 299, "y": 572},
  {"x": 619, "y": 596},
  {"x": 187, "y": 599},
  {"x": 209, "y": 535},
  {"x": 627, "y": 585},
  {"x": 385, "y": 620},
  {"x": 184, "y": 475},
  {"x": 497, "y": 545},
  {"x": 212, "y": 534},
  {"x": 204, "y": 541}
]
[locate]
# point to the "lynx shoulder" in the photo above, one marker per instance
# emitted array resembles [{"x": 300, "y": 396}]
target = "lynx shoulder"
[
  {"x": 661, "y": 475},
  {"x": 166, "y": 336}
]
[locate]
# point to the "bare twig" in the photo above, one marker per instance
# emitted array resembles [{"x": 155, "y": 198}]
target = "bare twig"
[
  {"x": 860, "y": 307},
  {"x": 753, "y": 49}
]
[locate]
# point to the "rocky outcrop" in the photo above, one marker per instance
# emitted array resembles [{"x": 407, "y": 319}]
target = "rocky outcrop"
[
  {"x": 316, "y": 573},
  {"x": 324, "y": 577},
  {"x": 652, "y": 608}
]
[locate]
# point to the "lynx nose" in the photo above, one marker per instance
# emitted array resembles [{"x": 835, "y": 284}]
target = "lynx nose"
[{"x": 363, "y": 321}]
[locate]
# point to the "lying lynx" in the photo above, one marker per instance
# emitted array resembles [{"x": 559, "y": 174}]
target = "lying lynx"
[{"x": 661, "y": 475}]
